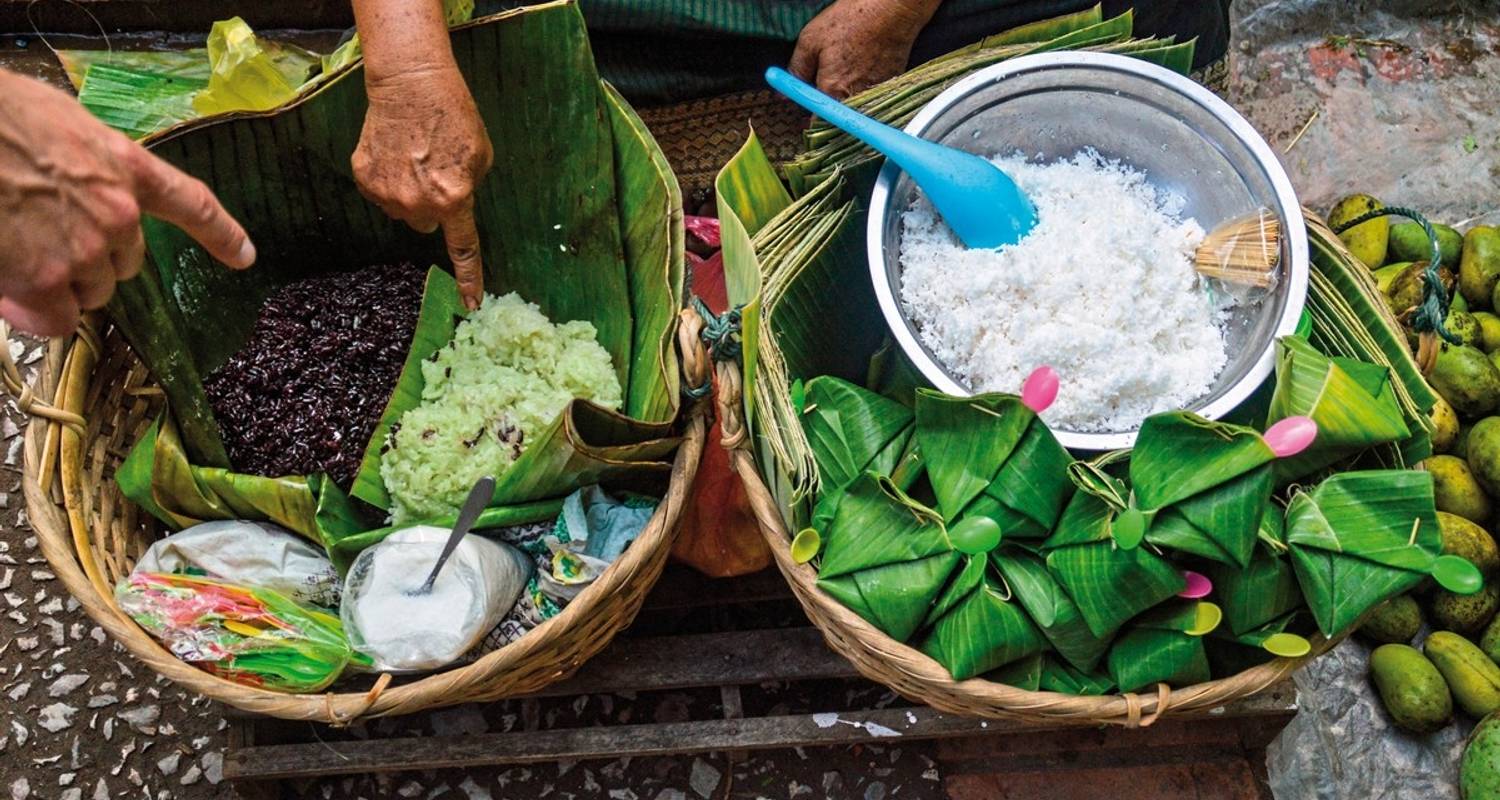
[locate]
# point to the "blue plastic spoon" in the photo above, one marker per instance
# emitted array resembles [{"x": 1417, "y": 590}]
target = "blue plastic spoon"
[{"x": 977, "y": 200}]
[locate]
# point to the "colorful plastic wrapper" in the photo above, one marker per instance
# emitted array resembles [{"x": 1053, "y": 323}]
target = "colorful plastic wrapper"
[{"x": 256, "y": 637}]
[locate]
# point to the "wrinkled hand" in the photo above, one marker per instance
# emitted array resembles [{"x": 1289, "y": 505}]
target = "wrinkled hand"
[
  {"x": 71, "y": 196},
  {"x": 855, "y": 44},
  {"x": 421, "y": 154}
]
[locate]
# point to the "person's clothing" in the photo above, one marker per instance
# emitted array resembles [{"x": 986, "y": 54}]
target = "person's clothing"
[{"x": 666, "y": 51}]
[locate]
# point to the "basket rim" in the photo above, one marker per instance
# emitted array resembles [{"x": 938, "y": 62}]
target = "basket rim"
[
  {"x": 918, "y": 677},
  {"x": 65, "y": 548}
]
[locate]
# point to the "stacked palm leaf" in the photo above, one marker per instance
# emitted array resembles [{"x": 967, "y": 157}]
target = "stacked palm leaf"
[
  {"x": 584, "y": 221},
  {"x": 896, "y": 101},
  {"x": 1351, "y": 319}
]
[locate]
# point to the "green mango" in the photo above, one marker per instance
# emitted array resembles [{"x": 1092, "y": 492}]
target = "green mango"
[
  {"x": 1466, "y": 378},
  {"x": 1483, "y": 452},
  {"x": 1465, "y": 614},
  {"x": 1490, "y": 641},
  {"x": 1396, "y": 621},
  {"x": 1445, "y": 426},
  {"x": 1411, "y": 688},
  {"x": 1468, "y": 540},
  {"x": 1472, "y": 677},
  {"x": 1457, "y": 491},
  {"x": 1463, "y": 325},
  {"x": 1479, "y": 769},
  {"x": 1405, "y": 290},
  {"x": 1489, "y": 330},
  {"x": 1368, "y": 241},
  {"x": 1387, "y": 275},
  {"x": 1408, "y": 242},
  {"x": 1460, "y": 446},
  {"x": 1479, "y": 265}
]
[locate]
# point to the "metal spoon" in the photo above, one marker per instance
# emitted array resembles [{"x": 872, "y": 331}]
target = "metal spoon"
[{"x": 478, "y": 498}]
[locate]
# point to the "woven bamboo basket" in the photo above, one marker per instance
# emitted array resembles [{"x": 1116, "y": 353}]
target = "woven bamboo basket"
[
  {"x": 919, "y": 678},
  {"x": 92, "y": 400}
]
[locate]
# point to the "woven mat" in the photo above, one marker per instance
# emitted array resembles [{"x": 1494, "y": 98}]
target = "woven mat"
[{"x": 699, "y": 136}]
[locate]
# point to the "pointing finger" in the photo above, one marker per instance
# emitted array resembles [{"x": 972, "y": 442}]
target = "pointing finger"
[
  {"x": 461, "y": 234},
  {"x": 186, "y": 202}
]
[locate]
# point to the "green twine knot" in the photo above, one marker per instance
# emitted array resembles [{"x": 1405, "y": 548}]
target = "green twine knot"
[
  {"x": 721, "y": 334},
  {"x": 1433, "y": 310}
]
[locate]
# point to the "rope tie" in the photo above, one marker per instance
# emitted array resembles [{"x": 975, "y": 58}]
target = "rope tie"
[
  {"x": 721, "y": 332},
  {"x": 1429, "y": 315},
  {"x": 25, "y": 397},
  {"x": 697, "y": 380},
  {"x": 1133, "y": 707},
  {"x": 366, "y": 703}
]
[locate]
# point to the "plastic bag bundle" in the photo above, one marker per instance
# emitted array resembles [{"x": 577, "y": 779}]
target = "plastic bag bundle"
[
  {"x": 403, "y": 629},
  {"x": 256, "y": 554},
  {"x": 257, "y": 637}
]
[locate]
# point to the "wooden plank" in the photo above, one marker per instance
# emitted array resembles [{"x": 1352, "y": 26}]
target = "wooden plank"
[
  {"x": 661, "y": 663},
  {"x": 658, "y": 663},
  {"x": 685, "y": 738}
]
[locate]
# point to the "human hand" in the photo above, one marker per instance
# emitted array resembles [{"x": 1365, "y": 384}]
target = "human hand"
[
  {"x": 422, "y": 152},
  {"x": 71, "y": 196},
  {"x": 855, "y": 44}
]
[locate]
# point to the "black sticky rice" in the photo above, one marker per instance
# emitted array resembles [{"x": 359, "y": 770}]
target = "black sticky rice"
[{"x": 306, "y": 391}]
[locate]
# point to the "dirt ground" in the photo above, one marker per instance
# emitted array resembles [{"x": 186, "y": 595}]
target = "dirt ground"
[{"x": 1379, "y": 102}]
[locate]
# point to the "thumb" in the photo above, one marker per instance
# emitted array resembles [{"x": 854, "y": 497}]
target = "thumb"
[{"x": 461, "y": 235}]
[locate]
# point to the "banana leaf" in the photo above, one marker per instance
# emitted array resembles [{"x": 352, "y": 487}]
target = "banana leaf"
[
  {"x": 138, "y": 103},
  {"x": 1353, "y": 403},
  {"x": 1059, "y": 676},
  {"x": 586, "y": 444},
  {"x": 436, "y": 319},
  {"x": 1360, "y": 538},
  {"x": 1109, "y": 584},
  {"x": 343, "y": 549},
  {"x": 1206, "y": 483},
  {"x": 562, "y": 215},
  {"x": 990, "y": 455},
  {"x": 1352, "y": 319},
  {"x": 1024, "y": 673},
  {"x": 1266, "y": 588},
  {"x": 1050, "y": 608},
  {"x": 157, "y": 476},
  {"x": 975, "y": 626},
  {"x": 1231, "y": 653},
  {"x": 1157, "y": 648},
  {"x": 748, "y": 194},
  {"x": 648, "y": 194},
  {"x": 885, "y": 556},
  {"x": 852, "y": 431}
]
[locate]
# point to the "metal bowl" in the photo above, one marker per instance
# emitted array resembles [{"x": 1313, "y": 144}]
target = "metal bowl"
[{"x": 1186, "y": 140}]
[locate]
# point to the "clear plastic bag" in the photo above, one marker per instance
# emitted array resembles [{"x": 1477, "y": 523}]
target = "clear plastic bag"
[
  {"x": 402, "y": 629},
  {"x": 257, "y": 637}
]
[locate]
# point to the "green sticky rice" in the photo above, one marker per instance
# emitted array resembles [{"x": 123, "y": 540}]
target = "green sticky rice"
[{"x": 507, "y": 374}]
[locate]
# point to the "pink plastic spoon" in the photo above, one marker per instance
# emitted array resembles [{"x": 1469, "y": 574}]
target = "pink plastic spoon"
[
  {"x": 1291, "y": 436},
  {"x": 1040, "y": 389}
]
